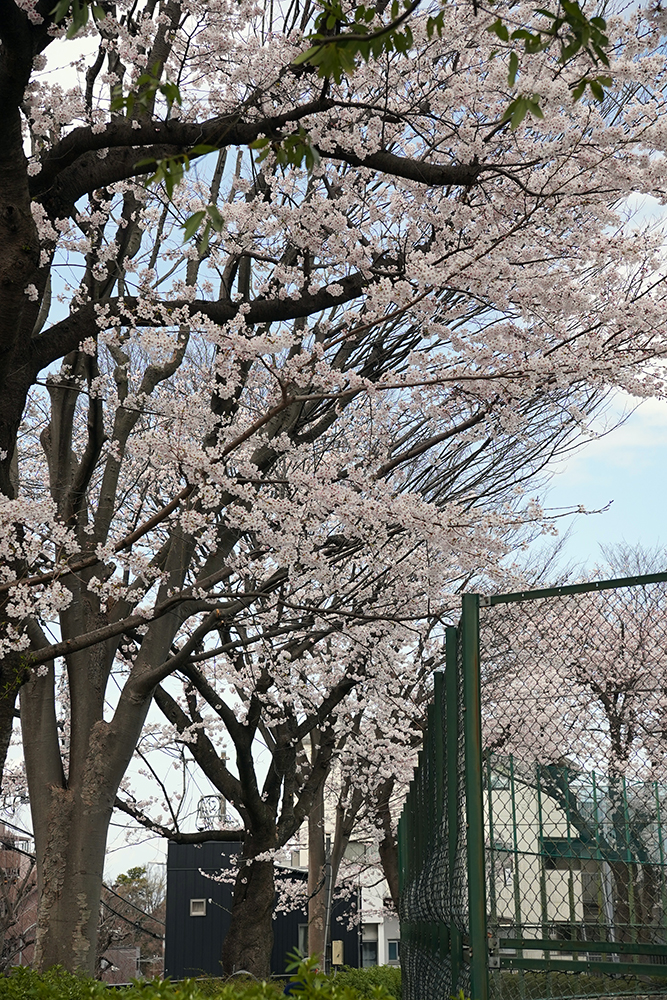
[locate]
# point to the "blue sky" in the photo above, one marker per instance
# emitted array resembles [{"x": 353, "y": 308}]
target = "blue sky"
[{"x": 628, "y": 466}]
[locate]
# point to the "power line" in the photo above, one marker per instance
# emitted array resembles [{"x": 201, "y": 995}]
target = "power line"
[
  {"x": 28, "y": 854},
  {"x": 5, "y": 822},
  {"x": 133, "y": 923},
  {"x": 134, "y": 907}
]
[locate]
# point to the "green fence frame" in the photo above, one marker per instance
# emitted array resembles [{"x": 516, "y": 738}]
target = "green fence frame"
[{"x": 446, "y": 948}]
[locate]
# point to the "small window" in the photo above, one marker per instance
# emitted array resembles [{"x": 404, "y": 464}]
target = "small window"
[
  {"x": 393, "y": 951},
  {"x": 197, "y": 907},
  {"x": 303, "y": 939},
  {"x": 369, "y": 954}
]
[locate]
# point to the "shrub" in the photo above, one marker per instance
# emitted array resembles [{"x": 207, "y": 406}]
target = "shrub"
[
  {"x": 309, "y": 983},
  {"x": 364, "y": 981},
  {"x": 25, "y": 984}
]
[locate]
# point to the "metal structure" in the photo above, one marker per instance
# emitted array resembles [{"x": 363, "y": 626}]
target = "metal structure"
[
  {"x": 211, "y": 812},
  {"x": 533, "y": 854}
]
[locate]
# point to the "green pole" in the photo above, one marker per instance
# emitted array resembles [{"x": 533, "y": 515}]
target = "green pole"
[
  {"x": 472, "y": 726},
  {"x": 452, "y": 793},
  {"x": 570, "y": 871},
  {"x": 544, "y": 905},
  {"x": 516, "y": 879},
  {"x": 493, "y": 908},
  {"x": 439, "y": 749},
  {"x": 632, "y": 868},
  {"x": 662, "y": 854}
]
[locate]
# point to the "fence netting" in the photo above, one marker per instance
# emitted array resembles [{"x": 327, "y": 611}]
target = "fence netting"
[
  {"x": 553, "y": 713},
  {"x": 574, "y": 748}
]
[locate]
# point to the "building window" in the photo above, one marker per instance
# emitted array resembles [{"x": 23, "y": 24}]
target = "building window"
[
  {"x": 303, "y": 939},
  {"x": 369, "y": 954},
  {"x": 197, "y": 907},
  {"x": 369, "y": 945},
  {"x": 393, "y": 951}
]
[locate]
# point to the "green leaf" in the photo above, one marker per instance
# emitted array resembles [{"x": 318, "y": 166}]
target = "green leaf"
[
  {"x": 596, "y": 90},
  {"x": 205, "y": 236},
  {"x": 148, "y": 161},
  {"x": 516, "y": 112},
  {"x": 191, "y": 226},
  {"x": 520, "y": 107},
  {"x": 217, "y": 221},
  {"x": 579, "y": 89},
  {"x": 572, "y": 9},
  {"x": 436, "y": 23},
  {"x": 534, "y": 107},
  {"x": 601, "y": 54},
  {"x": 61, "y": 10},
  {"x": 171, "y": 93},
  {"x": 306, "y": 56},
  {"x": 499, "y": 29},
  {"x": 201, "y": 149},
  {"x": 513, "y": 69}
]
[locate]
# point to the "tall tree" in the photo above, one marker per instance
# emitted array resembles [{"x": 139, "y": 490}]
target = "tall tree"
[{"x": 250, "y": 437}]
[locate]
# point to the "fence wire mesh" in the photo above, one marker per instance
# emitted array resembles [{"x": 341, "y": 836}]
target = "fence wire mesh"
[
  {"x": 574, "y": 745},
  {"x": 555, "y": 716}
]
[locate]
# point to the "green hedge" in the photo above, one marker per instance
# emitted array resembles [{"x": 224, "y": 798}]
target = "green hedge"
[
  {"x": 364, "y": 981},
  {"x": 25, "y": 984},
  {"x": 349, "y": 984}
]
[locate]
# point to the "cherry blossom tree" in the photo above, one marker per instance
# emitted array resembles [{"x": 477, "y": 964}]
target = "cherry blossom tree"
[{"x": 283, "y": 440}]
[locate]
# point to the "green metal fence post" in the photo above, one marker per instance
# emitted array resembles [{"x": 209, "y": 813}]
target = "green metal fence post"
[
  {"x": 472, "y": 722},
  {"x": 663, "y": 900},
  {"x": 544, "y": 905},
  {"x": 452, "y": 791}
]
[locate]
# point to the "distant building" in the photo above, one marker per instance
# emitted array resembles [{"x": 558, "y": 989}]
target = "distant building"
[
  {"x": 18, "y": 900},
  {"x": 121, "y": 965},
  {"x": 199, "y": 914}
]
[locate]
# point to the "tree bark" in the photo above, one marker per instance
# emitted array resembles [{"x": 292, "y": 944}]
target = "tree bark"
[
  {"x": 249, "y": 941},
  {"x": 71, "y": 814},
  {"x": 70, "y": 821},
  {"x": 389, "y": 844},
  {"x": 317, "y": 896},
  {"x": 71, "y": 868}
]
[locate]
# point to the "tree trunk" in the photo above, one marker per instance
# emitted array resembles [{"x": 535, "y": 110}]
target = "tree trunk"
[
  {"x": 71, "y": 815},
  {"x": 11, "y": 677},
  {"x": 317, "y": 895},
  {"x": 70, "y": 882},
  {"x": 389, "y": 843},
  {"x": 249, "y": 941}
]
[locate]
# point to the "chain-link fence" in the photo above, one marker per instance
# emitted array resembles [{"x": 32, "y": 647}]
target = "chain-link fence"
[{"x": 533, "y": 842}]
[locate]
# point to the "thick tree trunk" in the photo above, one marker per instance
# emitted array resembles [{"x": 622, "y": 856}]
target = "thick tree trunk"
[
  {"x": 249, "y": 941},
  {"x": 317, "y": 895},
  {"x": 19, "y": 265},
  {"x": 70, "y": 881},
  {"x": 389, "y": 843},
  {"x": 71, "y": 815}
]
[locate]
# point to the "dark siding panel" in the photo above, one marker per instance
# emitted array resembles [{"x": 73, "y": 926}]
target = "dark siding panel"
[{"x": 193, "y": 945}]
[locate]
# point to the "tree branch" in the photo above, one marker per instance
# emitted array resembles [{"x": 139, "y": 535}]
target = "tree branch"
[{"x": 201, "y": 837}]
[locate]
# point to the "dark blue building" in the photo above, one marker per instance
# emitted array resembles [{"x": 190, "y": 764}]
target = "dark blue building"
[{"x": 199, "y": 909}]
